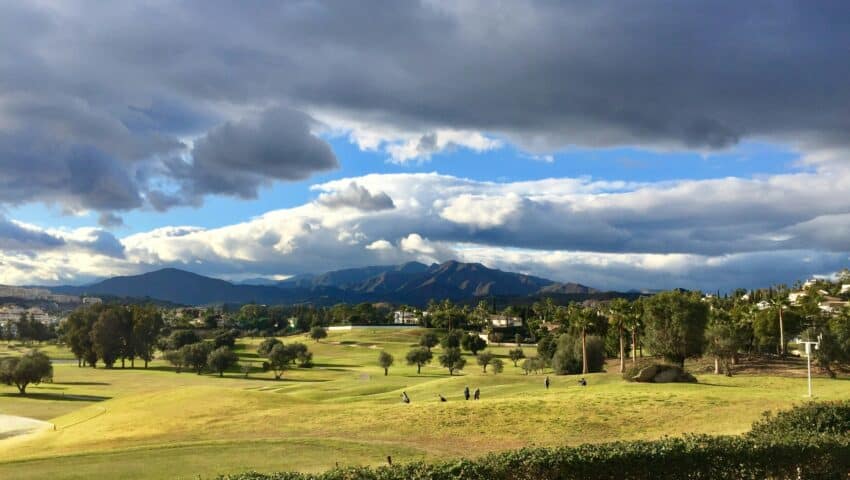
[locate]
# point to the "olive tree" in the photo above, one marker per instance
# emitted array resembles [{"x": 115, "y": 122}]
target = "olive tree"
[
  {"x": 484, "y": 359},
  {"x": 516, "y": 355},
  {"x": 385, "y": 361},
  {"x": 419, "y": 356},
  {"x": 32, "y": 367},
  {"x": 452, "y": 359},
  {"x": 221, "y": 359},
  {"x": 429, "y": 340},
  {"x": 675, "y": 325},
  {"x": 195, "y": 355},
  {"x": 266, "y": 346},
  {"x": 498, "y": 365},
  {"x": 280, "y": 359},
  {"x": 318, "y": 333}
]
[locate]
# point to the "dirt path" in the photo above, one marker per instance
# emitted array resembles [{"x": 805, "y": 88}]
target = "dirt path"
[{"x": 12, "y": 426}]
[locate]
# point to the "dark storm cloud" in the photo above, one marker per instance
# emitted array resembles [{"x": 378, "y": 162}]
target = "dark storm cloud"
[
  {"x": 14, "y": 237},
  {"x": 236, "y": 158},
  {"x": 125, "y": 83},
  {"x": 355, "y": 196},
  {"x": 110, "y": 220}
]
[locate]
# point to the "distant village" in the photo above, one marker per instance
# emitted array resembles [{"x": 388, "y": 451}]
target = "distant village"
[{"x": 48, "y": 309}]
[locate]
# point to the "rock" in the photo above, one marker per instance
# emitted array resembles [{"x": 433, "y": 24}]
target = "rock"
[
  {"x": 667, "y": 375},
  {"x": 646, "y": 374}
]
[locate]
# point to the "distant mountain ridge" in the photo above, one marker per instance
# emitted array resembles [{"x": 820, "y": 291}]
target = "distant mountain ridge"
[{"x": 411, "y": 283}]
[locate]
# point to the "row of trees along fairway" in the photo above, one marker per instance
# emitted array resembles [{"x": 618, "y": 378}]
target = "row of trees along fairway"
[{"x": 109, "y": 333}]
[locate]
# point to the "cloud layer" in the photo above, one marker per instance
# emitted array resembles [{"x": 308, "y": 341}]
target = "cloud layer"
[
  {"x": 709, "y": 234},
  {"x": 100, "y": 106}
]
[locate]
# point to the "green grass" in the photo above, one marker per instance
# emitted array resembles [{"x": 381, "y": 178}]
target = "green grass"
[{"x": 158, "y": 424}]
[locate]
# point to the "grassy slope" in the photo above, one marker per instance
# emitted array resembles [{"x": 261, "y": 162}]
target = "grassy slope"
[{"x": 346, "y": 411}]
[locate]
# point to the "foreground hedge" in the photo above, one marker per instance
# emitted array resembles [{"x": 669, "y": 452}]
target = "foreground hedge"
[{"x": 694, "y": 457}]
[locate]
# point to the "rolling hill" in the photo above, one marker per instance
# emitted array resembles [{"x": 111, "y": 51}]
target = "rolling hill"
[{"x": 411, "y": 283}]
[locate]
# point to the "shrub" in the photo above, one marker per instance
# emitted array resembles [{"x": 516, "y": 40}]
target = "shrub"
[
  {"x": 693, "y": 457},
  {"x": 813, "y": 418},
  {"x": 567, "y": 358},
  {"x": 266, "y": 346}
]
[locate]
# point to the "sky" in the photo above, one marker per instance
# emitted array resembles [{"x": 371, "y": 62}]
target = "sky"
[{"x": 621, "y": 145}]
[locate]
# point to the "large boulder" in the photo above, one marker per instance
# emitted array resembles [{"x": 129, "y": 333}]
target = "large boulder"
[
  {"x": 646, "y": 374},
  {"x": 657, "y": 373}
]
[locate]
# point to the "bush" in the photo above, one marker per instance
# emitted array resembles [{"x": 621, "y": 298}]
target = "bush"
[
  {"x": 266, "y": 346},
  {"x": 567, "y": 358},
  {"x": 813, "y": 418},
  {"x": 693, "y": 457}
]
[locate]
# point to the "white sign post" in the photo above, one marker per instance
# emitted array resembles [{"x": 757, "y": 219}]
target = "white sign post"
[{"x": 809, "y": 344}]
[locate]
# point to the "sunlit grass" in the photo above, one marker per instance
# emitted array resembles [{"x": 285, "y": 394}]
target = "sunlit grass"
[{"x": 345, "y": 410}]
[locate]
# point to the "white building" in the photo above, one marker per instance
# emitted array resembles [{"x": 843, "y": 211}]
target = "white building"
[
  {"x": 845, "y": 288},
  {"x": 504, "y": 321},
  {"x": 763, "y": 305},
  {"x": 12, "y": 313},
  {"x": 91, "y": 300},
  {"x": 794, "y": 297},
  {"x": 832, "y": 304},
  {"x": 404, "y": 317}
]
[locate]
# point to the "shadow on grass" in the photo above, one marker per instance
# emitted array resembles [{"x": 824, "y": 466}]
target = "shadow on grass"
[
  {"x": 282, "y": 380},
  {"x": 709, "y": 384},
  {"x": 81, "y": 383},
  {"x": 328, "y": 366},
  {"x": 57, "y": 397}
]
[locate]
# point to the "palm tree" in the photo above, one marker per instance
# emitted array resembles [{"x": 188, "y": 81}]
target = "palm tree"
[
  {"x": 619, "y": 312},
  {"x": 582, "y": 319},
  {"x": 780, "y": 303}
]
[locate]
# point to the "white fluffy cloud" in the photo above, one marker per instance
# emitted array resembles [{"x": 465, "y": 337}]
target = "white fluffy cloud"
[{"x": 605, "y": 234}]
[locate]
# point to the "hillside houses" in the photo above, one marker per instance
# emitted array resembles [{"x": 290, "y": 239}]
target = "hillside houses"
[
  {"x": 504, "y": 321},
  {"x": 406, "y": 317}
]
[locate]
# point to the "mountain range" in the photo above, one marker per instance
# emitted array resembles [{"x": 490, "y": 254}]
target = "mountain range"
[{"x": 410, "y": 283}]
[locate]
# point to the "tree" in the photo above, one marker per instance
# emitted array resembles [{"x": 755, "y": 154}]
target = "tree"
[
  {"x": 76, "y": 333},
  {"x": 176, "y": 358},
  {"x": 266, "y": 346},
  {"x": 280, "y": 359},
  {"x": 498, "y": 365},
  {"x": 780, "y": 303},
  {"x": 317, "y": 333},
  {"x": 106, "y": 335},
  {"x": 385, "y": 361},
  {"x": 429, "y": 340},
  {"x": 451, "y": 339},
  {"x": 575, "y": 353},
  {"x": 32, "y": 367},
  {"x": 225, "y": 338},
  {"x": 619, "y": 314},
  {"x": 147, "y": 325},
  {"x": 195, "y": 355},
  {"x": 481, "y": 314},
  {"x": 533, "y": 364},
  {"x": 583, "y": 319},
  {"x": 299, "y": 353},
  {"x": 484, "y": 359},
  {"x": 516, "y": 355},
  {"x": 419, "y": 356},
  {"x": 675, "y": 325},
  {"x": 472, "y": 343},
  {"x": 221, "y": 359},
  {"x": 546, "y": 347},
  {"x": 767, "y": 333},
  {"x": 452, "y": 359},
  {"x": 180, "y": 338},
  {"x": 724, "y": 338}
]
